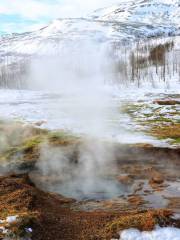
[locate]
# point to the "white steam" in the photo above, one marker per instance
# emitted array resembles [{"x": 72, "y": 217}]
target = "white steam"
[
  {"x": 80, "y": 74},
  {"x": 82, "y": 176}
]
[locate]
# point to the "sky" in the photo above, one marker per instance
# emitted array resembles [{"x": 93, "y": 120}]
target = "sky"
[{"x": 29, "y": 15}]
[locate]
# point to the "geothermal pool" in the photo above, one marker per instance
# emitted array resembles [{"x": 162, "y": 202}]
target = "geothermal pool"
[{"x": 110, "y": 100}]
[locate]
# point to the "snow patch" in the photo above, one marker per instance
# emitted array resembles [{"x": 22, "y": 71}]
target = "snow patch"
[
  {"x": 11, "y": 219},
  {"x": 167, "y": 233}
]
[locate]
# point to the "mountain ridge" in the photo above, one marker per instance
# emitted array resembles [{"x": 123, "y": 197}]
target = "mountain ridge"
[{"x": 127, "y": 21}]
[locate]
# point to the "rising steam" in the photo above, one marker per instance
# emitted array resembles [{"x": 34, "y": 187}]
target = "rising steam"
[{"x": 80, "y": 74}]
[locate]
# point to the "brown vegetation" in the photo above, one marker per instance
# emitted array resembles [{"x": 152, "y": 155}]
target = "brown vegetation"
[
  {"x": 167, "y": 131},
  {"x": 50, "y": 215},
  {"x": 166, "y": 102}
]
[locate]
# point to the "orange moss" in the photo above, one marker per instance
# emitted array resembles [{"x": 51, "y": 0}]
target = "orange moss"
[
  {"x": 167, "y": 131},
  {"x": 144, "y": 221}
]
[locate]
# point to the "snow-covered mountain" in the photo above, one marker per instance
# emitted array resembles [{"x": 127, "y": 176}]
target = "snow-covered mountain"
[
  {"x": 126, "y": 21},
  {"x": 152, "y": 12}
]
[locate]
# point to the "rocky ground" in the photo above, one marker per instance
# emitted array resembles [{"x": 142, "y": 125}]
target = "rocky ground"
[{"x": 148, "y": 175}]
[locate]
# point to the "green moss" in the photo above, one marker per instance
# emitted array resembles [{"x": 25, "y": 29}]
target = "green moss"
[
  {"x": 32, "y": 142},
  {"x": 28, "y": 149},
  {"x": 163, "y": 119},
  {"x": 61, "y": 137},
  {"x": 131, "y": 108},
  {"x": 176, "y": 140}
]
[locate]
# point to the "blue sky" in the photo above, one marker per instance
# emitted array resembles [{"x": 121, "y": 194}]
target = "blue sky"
[
  {"x": 17, "y": 23},
  {"x": 28, "y": 15}
]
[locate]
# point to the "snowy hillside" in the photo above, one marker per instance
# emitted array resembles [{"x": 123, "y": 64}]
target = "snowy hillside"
[
  {"x": 152, "y": 12},
  {"x": 127, "y": 21}
]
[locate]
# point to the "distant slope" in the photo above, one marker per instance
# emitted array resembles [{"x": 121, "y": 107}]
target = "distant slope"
[
  {"x": 153, "y": 12},
  {"x": 127, "y": 21}
]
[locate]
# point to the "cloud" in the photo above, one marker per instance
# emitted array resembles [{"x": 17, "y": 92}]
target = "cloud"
[
  {"x": 35, "y": 9},
  {"x": 43, "y": 11},
  {"x": 31, "y": 9}
]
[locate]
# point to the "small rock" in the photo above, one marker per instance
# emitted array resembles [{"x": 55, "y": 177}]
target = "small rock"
[
  {"x": 115, "y": 237},
  {"x": 166, "y": 102},
  {"x": 156, "y": 180},
  {"x": 136, "y": 200},
  {"x": 124, "y": 179},
  {"x": 40, "y": 123}
]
